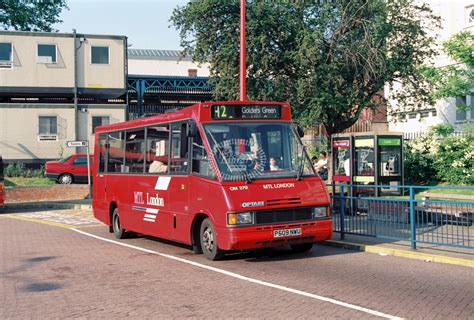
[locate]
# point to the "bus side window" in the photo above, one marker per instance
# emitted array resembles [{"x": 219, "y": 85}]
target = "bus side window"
[
  {"x": 201, "y": 163},
  {"x": 135, "y": 151},
  {"x": 179, "y": 148},
  {"x": 102, "y": 151},
  {"x": 115, "y": 152},
  {"x": 157, "y": 149}
]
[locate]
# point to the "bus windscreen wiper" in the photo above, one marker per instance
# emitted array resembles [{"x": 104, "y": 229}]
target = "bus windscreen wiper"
[{"x": 300, "y": 168}]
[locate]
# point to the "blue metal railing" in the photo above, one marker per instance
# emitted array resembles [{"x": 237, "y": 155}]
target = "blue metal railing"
[{"x": 410, "y": 218}]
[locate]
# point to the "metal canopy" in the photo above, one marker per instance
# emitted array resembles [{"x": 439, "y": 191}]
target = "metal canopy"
[{"x": 149, "y": 95}]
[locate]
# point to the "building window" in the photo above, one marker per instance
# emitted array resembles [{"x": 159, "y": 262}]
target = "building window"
[
  {"x": 48, "y": 125},
  {"x": 460, "y": 113},
  {"x": 6, "y": 55},
  {"x": 192, "y": 72},
  {"x": 424, "y": 114},
  {"x": 412, "y": 116},
  {"x": 100, "y": 55},
  {"x": 470, "y": 15},
  {"x": 99, "y": 121},
  {"x": 434, "y": 113},
  {"x": 47, "y": 53}
]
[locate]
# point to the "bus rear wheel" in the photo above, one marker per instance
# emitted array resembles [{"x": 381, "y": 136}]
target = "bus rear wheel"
[
  {"x": 119, "y": 232},
  {"x": 208, "y": 240},
  {"x": 300, "y": 248}
]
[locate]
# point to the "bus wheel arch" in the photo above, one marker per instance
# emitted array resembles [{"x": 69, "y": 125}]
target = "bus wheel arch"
[
  {"x": 112, "y": 207},
  {"x": 196, "y": 232}
]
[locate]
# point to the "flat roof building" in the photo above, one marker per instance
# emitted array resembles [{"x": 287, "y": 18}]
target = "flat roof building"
[{"x": 57, "y": 87}]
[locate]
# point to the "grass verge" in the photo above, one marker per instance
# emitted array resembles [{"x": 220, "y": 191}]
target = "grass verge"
[{"x": 27, "y": 182}]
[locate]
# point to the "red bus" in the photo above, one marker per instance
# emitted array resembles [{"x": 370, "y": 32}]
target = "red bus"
[
  {"x": 218, "y": 176},
  {"x": 2, "y": 186}
]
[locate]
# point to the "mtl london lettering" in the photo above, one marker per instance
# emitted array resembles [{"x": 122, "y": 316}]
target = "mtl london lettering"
[
  {"x": 150, "y": 200},
  {"x": 278, "y": 185},
  {"x": 154, "y": 201}
]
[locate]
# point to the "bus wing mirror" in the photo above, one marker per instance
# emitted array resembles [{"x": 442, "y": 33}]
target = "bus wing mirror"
[
  {"x": 192, "y": 129},
  {"x": 300, "y": 131}
]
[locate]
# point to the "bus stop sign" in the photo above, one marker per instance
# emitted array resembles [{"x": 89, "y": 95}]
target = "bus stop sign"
[{"x": 77, "y": 143}]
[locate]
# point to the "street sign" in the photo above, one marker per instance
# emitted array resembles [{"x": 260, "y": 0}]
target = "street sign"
[{"x": 77, "y": 143}]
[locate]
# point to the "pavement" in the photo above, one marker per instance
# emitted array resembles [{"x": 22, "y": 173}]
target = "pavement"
[
  {"x": 80, "y": 204},
  {"x": 383, "y": 247}
]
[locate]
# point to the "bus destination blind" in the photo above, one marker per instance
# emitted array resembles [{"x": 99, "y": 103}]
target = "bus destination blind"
[{"x": 236, "y": 111}]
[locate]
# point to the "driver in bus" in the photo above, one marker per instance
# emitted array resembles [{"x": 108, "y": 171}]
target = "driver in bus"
[{"x": 273, "y": 164}]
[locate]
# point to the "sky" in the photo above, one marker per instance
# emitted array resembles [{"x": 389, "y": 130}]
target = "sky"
[{"x": 144, "y": 22}]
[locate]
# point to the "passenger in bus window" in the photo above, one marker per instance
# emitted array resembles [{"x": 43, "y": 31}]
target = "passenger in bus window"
[{"x": 158, "y": 166}]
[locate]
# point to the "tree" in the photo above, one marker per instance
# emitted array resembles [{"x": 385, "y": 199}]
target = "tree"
[
  {"x": 26, "y": 15},
  {"x": 456, "y": 79},
  {"x": 329, "y": 59}
]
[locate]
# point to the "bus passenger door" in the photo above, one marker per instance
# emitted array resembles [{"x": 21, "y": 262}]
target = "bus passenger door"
[
  {"x": 99, "y": 180},
  {"x": 178, "y": 192}
]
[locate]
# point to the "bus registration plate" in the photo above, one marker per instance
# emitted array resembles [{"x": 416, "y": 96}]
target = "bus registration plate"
[{"x": 281, "y": 233}]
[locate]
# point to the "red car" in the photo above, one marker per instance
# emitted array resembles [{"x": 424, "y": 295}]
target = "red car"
[{"x": 69, "y": 170}]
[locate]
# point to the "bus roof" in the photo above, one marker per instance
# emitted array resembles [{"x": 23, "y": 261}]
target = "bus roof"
[{"x": 200, "y": 112}]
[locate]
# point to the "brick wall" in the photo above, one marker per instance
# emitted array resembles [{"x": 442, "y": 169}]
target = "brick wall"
[{"x": 46, "y": 193}]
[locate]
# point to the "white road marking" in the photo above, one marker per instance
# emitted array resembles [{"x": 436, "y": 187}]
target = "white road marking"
[{"x": 252, "y": 280}]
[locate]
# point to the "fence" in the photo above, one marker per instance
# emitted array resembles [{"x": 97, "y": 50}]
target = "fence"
[
  {"x": 414, "y": 135},
  {"x": 410, "y": 217}
]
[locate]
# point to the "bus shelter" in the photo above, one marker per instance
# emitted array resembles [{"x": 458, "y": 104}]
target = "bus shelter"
[{"x": 367, "y": 158}]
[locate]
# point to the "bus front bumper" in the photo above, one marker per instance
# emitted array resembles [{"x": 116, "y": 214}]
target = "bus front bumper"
[{"x": 263, "y": 236}]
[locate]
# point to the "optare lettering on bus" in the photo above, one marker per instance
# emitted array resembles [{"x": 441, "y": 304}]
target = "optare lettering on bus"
[{"x": 252, "y": 204}]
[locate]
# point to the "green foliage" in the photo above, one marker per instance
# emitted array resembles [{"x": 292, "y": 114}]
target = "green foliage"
[
  {"x": 442, "y": 129},
  {"x": 439, "y": 156},
  {"x": 35, "y": 181},
  {"x": 456, "y": 79},
  {"x": 19, "y": 170},
  {"x": 419, "y": 158},
  {"x": 455, "y": 160},
  {"x": 329, "y": 59},
  {"x": 27, "y": 15}
]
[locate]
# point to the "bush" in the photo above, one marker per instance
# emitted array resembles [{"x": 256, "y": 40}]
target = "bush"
[
  {"x": 15, "y": 170},
  {"x": 442, "y": 129},
  {"x": 438, "y": 156},
  {"x": 19, "y": 170},
  {"x": 455, "y": 160},
  {"x": 419, "y": 157}
]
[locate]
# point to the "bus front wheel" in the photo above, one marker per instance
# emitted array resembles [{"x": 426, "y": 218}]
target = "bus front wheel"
[
  {"x": 209, "y": 241},
  {"x": 119, "y": 232}
]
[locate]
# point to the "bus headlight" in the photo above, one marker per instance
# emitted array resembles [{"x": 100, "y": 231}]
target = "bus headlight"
[
  {"x": 240, "y": 218},
  {"x": 320, "y": 212}
]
